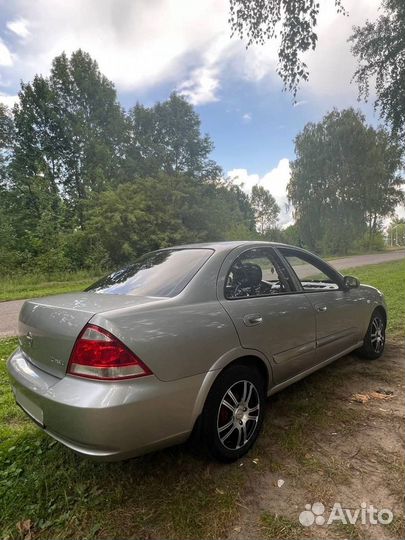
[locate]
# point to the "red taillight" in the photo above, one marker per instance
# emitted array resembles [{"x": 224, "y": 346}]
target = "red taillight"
[{"x": 97, "y": 354}]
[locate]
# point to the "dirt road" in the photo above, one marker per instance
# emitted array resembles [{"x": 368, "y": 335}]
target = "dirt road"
[
  {"x": 363, "y": 260},
  {"x": 9, "y": 310},
  {"x": 8, "y": 317}
]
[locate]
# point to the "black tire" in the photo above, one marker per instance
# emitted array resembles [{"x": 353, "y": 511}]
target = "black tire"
[
  {"x": 374, "y": 340},
  {"x": 227, "y": 434}
]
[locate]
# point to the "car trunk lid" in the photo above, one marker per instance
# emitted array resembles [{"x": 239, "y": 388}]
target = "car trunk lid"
[{"x": 48, "y": 327}]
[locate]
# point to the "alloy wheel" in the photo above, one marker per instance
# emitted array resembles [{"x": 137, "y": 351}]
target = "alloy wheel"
[
  {"x": 377, "y": 334},
  {"x": 238, "y": 415}
]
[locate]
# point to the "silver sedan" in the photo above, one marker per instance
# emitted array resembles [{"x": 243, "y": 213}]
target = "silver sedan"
[{"x": 185, "y": 340}]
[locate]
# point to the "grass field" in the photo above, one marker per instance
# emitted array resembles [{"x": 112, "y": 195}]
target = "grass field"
[
  {"x": 390, "y": 279},
  {"x": 14, "y": 288},
  {"x": 49, "y": 492}
]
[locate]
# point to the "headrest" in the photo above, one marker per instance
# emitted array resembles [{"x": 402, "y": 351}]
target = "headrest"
[{"x": 248, "y": 275}]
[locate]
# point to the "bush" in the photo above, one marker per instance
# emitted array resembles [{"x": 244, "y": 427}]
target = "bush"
[{"x": 374, "y": 242}]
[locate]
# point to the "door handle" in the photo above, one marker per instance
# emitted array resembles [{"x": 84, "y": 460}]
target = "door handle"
[
  {"x": 252, "y": 319},
  {"x": 322, "y": 308}
]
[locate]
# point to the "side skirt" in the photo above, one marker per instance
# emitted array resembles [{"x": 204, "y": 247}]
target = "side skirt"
[{"x": 303, "y": 374}]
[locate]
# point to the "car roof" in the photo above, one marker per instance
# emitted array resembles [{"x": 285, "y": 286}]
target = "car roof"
[{"x": 227, "y": 246}]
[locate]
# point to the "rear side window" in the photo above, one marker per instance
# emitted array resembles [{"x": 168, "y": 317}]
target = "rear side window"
[{"x": 160, "y": 273}]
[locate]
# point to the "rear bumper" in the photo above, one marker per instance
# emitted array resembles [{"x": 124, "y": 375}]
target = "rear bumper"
[{"x": 106, "y": 420}]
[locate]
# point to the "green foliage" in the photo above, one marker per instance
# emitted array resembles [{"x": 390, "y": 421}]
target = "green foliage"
[
  {"x": 396, "y": 232},
  {"x": 83, "y": 185},
  {"x": 265, "y": 208},
  {"x": 380, "y": 50},
  {"x": 375, "y": 242},
  {"x": 345, "y": 180},
  {"x": 6, "y": 140},
  {"x": 166, "y": 138},
  {"x": 291, "y": 235},
  {"x": 69, "y": 132},
  {"x": 158, "y": 212},
  {"x": 293, "y": 23}
]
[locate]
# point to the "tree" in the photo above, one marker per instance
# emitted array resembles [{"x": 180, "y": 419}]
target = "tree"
[
  {"x": 84, "y": 185},
  {"x": 265, "y": 208},
  {"x": 167, "y": 138},
  {"x": 6, "y": 143},
  {"x": 245, "y": 207},
  {"x": 290, "y": 235},
  {"x": 293, "y": 21},
  {"x": 344, "y": 180},
  {"x": 151, "y": 213},
  {"x": 134, "y": 218},
  {"x": 396, "y": 232},
  {"x": 382, "y": 192},
  {"x": 69, "y": 134},
  {"x": 380, "y": 49}
]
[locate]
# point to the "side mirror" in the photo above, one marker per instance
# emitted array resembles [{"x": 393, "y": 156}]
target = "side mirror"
[{"x": 350, "y": 282}]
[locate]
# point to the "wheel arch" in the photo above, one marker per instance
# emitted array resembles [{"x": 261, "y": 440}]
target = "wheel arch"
[
  {"x": 236, "y": 357},
  {"x": 383, "y": 310}
]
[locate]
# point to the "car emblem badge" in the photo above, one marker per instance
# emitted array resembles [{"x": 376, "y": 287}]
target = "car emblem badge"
[{"x": 30, "y": 339}]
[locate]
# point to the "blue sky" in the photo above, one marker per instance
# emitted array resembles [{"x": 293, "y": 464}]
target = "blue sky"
[{"x": 149, "y": 48}]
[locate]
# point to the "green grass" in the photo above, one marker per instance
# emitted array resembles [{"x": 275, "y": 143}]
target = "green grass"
[
  {"x": 347, "y": 530},
  {"x": 15, "y": 288},
  {"x": 280, "y": 528},
  {"x": 397, "y": 527},
  {"x": 389, "y": 278}
]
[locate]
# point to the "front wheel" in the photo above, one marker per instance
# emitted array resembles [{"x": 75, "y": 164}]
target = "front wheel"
[
  {"x": 374, "y": 340},
  {"x": 233, "y": 413}
]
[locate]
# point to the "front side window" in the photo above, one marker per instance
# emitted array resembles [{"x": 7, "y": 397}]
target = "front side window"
[
  {"x": 312, "y": 276},
  {"x": 255, "y": 273},
  {"x": 161, "y": 273}
]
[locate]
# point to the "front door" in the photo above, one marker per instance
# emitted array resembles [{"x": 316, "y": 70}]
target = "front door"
[
  {"x": 339, "y": 312},
  {"x": 268, "y": 314}
]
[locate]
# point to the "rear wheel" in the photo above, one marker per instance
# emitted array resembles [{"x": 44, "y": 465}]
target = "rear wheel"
[
  {"x": 233, "y": 413},
  {"x": 374, "y": 340}
]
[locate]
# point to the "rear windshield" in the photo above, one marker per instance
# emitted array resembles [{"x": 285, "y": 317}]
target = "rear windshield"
[{"x": 160, "y": 273}]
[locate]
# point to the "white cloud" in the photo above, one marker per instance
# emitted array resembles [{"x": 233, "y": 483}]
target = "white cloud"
[
  {"x": 400, "y": 211},
  {"x": 275, "y": 181},
  {"x": 6, "y": 58},
  {"x": 258, "y": 61},
  {"x": 247, "y": 117},
  {"x": 177, "y": 42},
  {"x": 201, "y": 87},
  {"x": 137, "y": 44},
  {"x": 19, "y": 27},
  {"x": 8, "y": 100},
  {"x": 332, "y": 65},
  {"x": 203, "y": 83}
]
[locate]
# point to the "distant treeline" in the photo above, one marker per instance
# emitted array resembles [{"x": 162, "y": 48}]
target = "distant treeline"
[{"x": 87, "y": 185}]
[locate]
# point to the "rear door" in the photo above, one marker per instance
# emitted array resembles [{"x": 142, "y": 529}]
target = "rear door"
[
  {"x": 260, "y": 297},
  {"x": 339, "y": 312}
]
